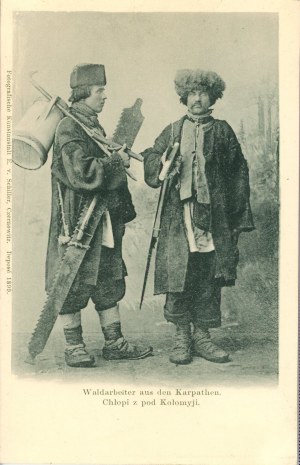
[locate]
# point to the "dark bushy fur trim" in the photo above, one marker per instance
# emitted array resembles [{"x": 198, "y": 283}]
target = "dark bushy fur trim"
[{"x": 188, "y": 80}]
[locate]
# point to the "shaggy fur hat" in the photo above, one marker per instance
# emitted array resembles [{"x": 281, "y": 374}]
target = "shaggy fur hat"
[{"x": 188, "y": 80}]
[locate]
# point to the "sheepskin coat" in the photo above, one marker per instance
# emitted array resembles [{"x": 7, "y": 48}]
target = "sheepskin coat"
[
  {"x": 227, "y": 177},
  {"x": 80, "y": 169}
]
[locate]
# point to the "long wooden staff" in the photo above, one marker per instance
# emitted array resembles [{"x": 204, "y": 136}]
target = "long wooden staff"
[{"x": 157, "y": 221}]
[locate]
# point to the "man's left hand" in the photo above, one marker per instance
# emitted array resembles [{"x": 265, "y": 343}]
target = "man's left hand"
[{"x": 125, "y": 157}]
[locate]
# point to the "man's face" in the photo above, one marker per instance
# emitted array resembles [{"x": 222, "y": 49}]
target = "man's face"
[
  {"x": 97, "y": 99},
  {"x": 198, "y": 102}
]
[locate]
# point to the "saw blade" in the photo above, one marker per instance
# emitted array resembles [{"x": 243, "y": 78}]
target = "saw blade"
[
  {"x": 129, "y": 124},
  {"x": 62, "y": 282}
]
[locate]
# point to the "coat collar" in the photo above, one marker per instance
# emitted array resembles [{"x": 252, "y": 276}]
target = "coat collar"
[
  {"x": 86, "y": 115},
  {"x": 176, "y": 129}
]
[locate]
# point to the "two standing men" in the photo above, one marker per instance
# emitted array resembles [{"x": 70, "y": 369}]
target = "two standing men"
[{"x": 206, "y": 207}]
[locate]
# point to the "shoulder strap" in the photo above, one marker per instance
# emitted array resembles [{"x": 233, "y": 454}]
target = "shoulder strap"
[{"x": 56, "y": 130}]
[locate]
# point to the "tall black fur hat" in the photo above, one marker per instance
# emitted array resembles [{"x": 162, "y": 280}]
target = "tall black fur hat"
[{"x": 188, "y": 80}]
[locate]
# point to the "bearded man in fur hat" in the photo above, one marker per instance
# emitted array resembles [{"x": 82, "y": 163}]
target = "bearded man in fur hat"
[
  {"x": 206, "y": 208},
  {"x": 79, "y": 171}
]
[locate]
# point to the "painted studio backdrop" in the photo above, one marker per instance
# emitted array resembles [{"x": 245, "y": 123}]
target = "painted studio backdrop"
[{"x": 141, "y": 53}]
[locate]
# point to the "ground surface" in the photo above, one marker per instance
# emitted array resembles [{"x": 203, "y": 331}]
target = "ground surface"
[
  {"x": 252, "y": 303},
  {"x": 253, "y": 358}
]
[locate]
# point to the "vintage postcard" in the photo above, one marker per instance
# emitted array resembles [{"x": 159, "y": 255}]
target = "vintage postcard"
[{"x": 149, "y": 232}]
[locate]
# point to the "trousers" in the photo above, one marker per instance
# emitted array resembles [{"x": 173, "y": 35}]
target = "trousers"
[
  {"x": 200, "y": 302},
  {"x": 105, "y": 294}
]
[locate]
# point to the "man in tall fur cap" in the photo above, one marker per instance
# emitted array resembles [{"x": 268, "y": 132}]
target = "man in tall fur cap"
[
  {"x": 206, "y": 208},
  {"x": 80, "y": 169}
]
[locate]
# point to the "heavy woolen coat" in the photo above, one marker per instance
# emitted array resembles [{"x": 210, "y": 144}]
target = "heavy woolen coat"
[
  {"x": 227, "y": 177},
  {"x": 81, "y": 170}
]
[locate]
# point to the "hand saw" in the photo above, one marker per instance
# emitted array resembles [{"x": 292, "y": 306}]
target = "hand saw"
[
  {"x": 129, "y": 124},
  {"x": 127, "y": 129},
  {"x": 66, "y": 274}
]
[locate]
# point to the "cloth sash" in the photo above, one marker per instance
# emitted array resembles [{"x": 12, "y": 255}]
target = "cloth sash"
[
  {"x": 107, "y": 234},
  {"x": 198, "y": 239}
]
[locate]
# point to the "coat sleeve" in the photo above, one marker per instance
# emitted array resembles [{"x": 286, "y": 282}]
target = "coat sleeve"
[
  {"x": 152, "y": 158},
  {"x": 238, "y": 186},
  {"x": 83, "y": 169}
]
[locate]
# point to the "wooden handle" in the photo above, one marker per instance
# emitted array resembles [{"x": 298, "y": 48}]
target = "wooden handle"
[
  {"x": 86, "y": 218},
  {"x": 169, "y": 162}
]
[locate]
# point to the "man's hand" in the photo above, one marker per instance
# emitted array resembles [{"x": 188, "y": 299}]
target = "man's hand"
[{"x": 125, "y": 157}]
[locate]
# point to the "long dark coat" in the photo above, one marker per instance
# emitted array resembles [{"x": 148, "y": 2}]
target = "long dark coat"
[
  {"x": 82, "y": 170},
  {"x": 228, "y": 183}
]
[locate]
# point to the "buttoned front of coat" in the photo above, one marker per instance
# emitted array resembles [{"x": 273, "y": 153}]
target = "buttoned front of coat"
[{"x": 227, "y": 178}]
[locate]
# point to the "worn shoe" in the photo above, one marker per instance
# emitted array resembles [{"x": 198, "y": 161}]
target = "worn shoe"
[
  {"x": 181, "y": 353},
  {"x": 205, "y": 348},
  {"x": 123, "y": 350},
  {"x": 78, "y": 357}
]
